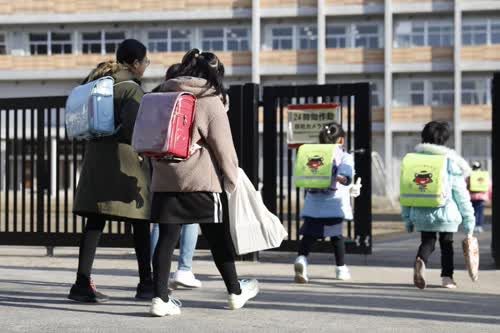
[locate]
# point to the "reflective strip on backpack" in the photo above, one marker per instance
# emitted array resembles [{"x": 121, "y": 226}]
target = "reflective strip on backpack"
[
  {"x": 421, "y": 196},
  {"x": 313, "y": 178}
]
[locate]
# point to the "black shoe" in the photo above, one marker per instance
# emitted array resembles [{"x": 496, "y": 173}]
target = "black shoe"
[
  {"x": 144, "y": 291},
  {"x": 87, "y": 294}
]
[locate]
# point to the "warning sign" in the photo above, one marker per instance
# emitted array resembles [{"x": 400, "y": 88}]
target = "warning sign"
[{"x": 306, "y": 121}]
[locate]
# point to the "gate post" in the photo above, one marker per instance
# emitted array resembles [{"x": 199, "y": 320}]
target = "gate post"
[
  {"x": 269, "y": 151},
  {"x": 243, "y": 118},
  {"x": 40, "y": 169},
  {"x": 495, "y": 156},
  {"x": 362, "y": 159}
]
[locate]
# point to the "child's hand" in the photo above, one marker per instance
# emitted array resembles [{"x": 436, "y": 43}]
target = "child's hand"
[
  {"x": 355, "y": 189},
  {"x": 342, "y": 180}
]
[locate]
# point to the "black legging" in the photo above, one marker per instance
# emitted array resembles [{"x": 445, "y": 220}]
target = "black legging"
[
  {"x": 220, "y": 246},
  {"x": 446, "y": 243},
  {"x": 90, "y": 240},
  {"x": 338, "y": 247}
]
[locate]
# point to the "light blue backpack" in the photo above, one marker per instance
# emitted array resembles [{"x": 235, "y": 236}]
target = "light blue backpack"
[{"x": 90, "y": 110}]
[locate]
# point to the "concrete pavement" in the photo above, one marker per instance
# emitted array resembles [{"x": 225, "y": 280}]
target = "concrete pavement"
[{"x": 379, "y": 298}]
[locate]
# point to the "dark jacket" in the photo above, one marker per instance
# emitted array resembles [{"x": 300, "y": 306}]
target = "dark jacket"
[{"x": 114, "y": 180}]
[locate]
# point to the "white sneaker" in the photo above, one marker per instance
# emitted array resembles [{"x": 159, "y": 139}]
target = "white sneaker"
[
  {"x": 249, "y": 289},
  {"x": 300, "y": 267},
  {"x": 447, "y": 282},
  {"x": 161, "y": 309},
  {"x": 478, "y": 229},
  {"x": 342, "y": 273},
  {"x": 184, "y": 279}
]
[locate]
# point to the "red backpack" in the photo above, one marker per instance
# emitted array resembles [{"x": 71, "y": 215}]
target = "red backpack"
[{"x": 163, "y": 126}]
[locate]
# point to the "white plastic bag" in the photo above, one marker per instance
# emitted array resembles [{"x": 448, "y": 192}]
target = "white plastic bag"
[{"x": 253, "y": 227}]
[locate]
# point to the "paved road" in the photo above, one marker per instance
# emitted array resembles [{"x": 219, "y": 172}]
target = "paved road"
[{"x": 380, "y": 298}]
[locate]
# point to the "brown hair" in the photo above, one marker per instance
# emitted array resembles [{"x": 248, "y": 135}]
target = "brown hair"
[{"x": 106, "y": 68}]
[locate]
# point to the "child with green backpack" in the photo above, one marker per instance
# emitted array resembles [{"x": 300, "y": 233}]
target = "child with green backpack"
[
  {"x": 435, "y": 199},
  {"x": 326, "y": 171}
]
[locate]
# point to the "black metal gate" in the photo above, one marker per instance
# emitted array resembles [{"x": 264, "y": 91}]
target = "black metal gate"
[
  {"x": 39, "y": 167},
  {"x": 278, "y": 193}
]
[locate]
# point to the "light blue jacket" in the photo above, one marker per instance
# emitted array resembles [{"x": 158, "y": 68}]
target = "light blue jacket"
[
  {"x": 335, "y": 203},
  {"x": 457, "y": 210}
]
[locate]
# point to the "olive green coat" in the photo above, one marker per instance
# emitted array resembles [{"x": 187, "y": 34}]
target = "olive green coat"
[{"x": 114, "y": 180}]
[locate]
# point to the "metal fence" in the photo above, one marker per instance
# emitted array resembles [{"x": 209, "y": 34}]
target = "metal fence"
[{"x": 39, "y": 165}]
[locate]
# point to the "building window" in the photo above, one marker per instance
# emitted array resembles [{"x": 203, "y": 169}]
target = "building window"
[
  {"x": 180, "y": 40},
  {"x": 91, "y": 42},
  {"x": 495, "y": 33},
  {"x": 367, "y": 36},
  {"x": 237, "y": 39},
  {"x": 440, "y": 35},
  {"x": 61, "y": 43},
  {"x": 476, "y": 92},
  {"x": 377, "y": 94},
  {"x": 212, "y": 39},
  {"x": 3, "y": 47},
  {"x": 442, "y": 93},
  {"x": 410, "y": 34},
  {"x": 414, "y": 34},
  {"x": 336, "y": 37},
  {"x": 417, "y": 93},
  {"x": 39, "y": 43},
  {"x": 474, "y": 34},
  {"x": 112, "y": 40},
  {"x": 158, "y": 41},
  {"x": 282, "y": 38},
  {"x": 308, "y": 38}
]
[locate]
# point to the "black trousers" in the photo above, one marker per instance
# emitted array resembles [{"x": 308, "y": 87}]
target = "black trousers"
[
  {"x": 220, "y": 245},
  {"x": 338, "y": 247},
  {"x": 446, "y": 243},
  {"x": 90, "y": 240}
]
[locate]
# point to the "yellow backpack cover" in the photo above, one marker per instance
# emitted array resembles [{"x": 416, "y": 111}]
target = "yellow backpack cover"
[
  {"x": 314, "y": 165},
  {"x": 479, "y": 181},
  {"x": 424, "y": 181}
]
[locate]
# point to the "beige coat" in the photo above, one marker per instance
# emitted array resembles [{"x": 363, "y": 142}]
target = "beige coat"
[{"x": 215, "y": 166}]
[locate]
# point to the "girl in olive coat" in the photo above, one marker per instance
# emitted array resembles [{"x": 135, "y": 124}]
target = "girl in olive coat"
[{"x": 114, "y": 180}]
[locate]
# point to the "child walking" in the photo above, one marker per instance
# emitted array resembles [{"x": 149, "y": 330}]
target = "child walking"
[
  {"x": 480, "y": 190},
  {"x": 443, "y": 220},
  {"x": 325, "y": 210}
]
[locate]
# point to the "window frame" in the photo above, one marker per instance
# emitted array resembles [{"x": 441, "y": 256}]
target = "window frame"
[
  {"x": 37, "y": 44},
  {"x": 212, "y": 40},
  {"x": 189, "y": 40},
  {"x": 482, "y": 94},
  {"x": 293, "y": 37},
  {"x": 153, "y": 42},
  {"x": 399, "y": 41},
  {"x": 3, "y": 43},
  {"x": 69, "y": 42},
  {"x": 367, "y": 36},
  {"x": 239, "y": 40},
  {"x": 338, "y": 38},
  {"x": 115, "y": 42},
  {"x": 92, "y": 41},
  {"x": 312, "y": 43}
]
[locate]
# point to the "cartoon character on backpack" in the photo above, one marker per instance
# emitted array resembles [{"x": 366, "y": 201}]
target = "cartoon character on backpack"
[
  {"x": 314, "y": 163},
  {"x": 423, "y": 179}
]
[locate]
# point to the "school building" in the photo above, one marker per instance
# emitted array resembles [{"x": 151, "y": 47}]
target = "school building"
[{"x": 425, "y": 59}]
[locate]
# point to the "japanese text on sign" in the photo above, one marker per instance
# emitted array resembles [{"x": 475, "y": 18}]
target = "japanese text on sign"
[{"x": 306, "y": 121}]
